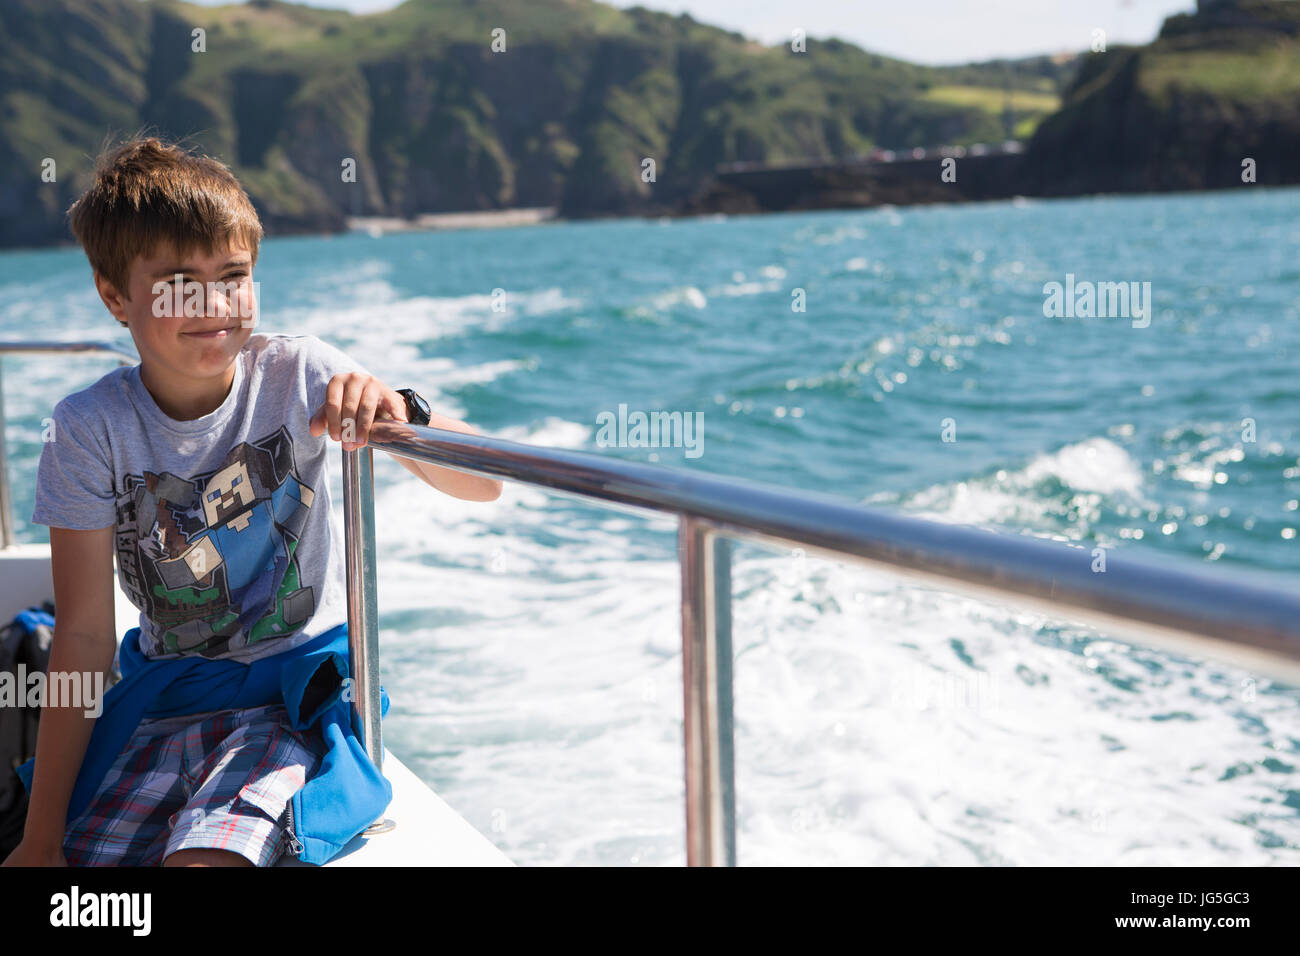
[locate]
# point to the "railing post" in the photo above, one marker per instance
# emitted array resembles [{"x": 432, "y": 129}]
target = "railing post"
[
  {"x": 706, "y": 683},
  {"x": 363, "y": 609},
  {"x": 363, "y": 616}
]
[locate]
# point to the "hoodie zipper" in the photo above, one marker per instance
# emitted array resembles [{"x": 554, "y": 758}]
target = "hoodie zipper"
[{"x": 294, "y": 845}]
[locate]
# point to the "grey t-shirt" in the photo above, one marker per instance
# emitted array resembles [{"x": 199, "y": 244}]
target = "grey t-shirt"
[{"x": 224, "y": 536}]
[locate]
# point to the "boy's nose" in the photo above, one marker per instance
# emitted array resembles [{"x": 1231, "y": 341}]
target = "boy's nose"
[{"x": 218, "y": 305}]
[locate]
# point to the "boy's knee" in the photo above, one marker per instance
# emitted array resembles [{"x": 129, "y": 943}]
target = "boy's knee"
[{"x": 205, "y": 857}]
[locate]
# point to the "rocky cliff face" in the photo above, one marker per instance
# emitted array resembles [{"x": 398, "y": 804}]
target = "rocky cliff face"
[
  {"x": 433, "y": 118},
  {"x": 1215, "y": 89}
]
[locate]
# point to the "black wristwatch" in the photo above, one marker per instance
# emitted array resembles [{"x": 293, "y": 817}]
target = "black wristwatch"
[{"x": 417, "y": 409}]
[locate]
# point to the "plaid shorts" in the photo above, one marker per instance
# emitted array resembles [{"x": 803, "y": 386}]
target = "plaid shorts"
[{"x": 220, "y": 780}]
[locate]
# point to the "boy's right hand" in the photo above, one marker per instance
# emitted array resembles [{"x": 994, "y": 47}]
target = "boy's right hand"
[{"x": 27, "y": 853}]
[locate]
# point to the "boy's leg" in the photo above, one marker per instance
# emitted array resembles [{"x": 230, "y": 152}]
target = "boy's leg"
[
  {"x": 127, "y": 821},
  {"x": 195, "y": 857},
  {"x": 244, "y": 768}
]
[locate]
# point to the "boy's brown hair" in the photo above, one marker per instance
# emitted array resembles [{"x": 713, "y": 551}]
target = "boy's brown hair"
[{"x": 147, "y": 192}]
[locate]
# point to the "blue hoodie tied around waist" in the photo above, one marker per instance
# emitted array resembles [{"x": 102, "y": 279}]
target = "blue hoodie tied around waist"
[{"x": 342, "y": 797}]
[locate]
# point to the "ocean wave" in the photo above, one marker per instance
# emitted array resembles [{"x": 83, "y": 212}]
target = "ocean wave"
[{"x": 1060, "y": 492}]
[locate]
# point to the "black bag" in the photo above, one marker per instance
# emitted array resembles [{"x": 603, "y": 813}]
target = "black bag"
[{"x": 26, "y": 641}]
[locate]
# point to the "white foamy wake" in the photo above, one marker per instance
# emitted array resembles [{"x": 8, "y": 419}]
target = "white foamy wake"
[
  {"x": 535, "y": 668},
  {"x": 952, "y": 731},
  {"x": 374, "y": 322}
]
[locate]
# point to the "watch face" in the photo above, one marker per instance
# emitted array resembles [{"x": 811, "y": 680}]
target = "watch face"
[{"x": 417, "y": 408}]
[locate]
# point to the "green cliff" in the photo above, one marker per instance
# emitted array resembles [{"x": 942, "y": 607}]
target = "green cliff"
[
  {"x": 1216, "y": 88},
  {"x": 435, "y": 120}
]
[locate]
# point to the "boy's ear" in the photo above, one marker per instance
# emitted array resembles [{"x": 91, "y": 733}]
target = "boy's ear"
[{"x": 113, "y": 300}]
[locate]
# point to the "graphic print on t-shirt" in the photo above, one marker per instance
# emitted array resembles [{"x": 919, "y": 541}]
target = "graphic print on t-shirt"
[{"x": 210, "y": 557}]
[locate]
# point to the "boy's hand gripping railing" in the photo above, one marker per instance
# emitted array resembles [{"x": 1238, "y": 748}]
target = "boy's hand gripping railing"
[{"x": 1182, "y": 609}]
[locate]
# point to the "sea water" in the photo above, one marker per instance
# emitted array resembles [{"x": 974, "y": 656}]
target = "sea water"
[{"x": 899, "y": 358}]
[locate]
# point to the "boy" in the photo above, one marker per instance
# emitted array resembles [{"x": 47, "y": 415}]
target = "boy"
[{"x": 204, "y": 468}]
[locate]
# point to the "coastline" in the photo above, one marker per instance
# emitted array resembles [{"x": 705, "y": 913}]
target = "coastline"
[{"x": 449, "y": 221}]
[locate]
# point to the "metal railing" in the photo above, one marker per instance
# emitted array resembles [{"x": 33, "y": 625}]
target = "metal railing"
[{"x": 1182, "y": 609}]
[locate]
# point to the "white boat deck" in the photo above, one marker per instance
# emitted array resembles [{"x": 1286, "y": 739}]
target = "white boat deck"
[{"x": 428, "y": 832}]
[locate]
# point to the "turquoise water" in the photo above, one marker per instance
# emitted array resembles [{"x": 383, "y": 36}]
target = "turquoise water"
[{"x": 532, "y": 644}]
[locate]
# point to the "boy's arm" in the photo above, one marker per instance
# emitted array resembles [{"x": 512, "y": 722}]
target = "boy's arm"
[
  {"x": 362, "y": 399},
  {"x": 84, "y": 643},
  {"x": 449, "y": 480}
]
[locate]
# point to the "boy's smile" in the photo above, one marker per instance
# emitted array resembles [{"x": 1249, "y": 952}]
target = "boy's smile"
[{"x": 189, "y": 316}]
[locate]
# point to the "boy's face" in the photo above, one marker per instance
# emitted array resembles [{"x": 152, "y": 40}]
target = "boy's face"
[{"x": 192, "y": 326}]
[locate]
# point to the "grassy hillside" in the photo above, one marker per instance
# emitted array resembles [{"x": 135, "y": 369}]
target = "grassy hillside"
[
  {"x": 1214, "y": 89},
  {"x": 437, "y": 121},
  {"x": 1024, "y": 109}
]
